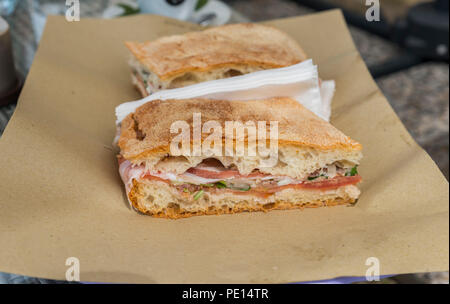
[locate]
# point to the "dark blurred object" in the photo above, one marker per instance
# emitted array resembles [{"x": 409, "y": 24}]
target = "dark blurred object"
[
  {"x": 12, "y": 95},
  {"x": 422, "y": 34},
  {"x": 9, "y": 82},
  {"x": 380, "y": 28}
]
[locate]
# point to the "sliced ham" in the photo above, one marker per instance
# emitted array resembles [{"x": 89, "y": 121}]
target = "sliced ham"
[
  {"x": 128, "y": 172},
  {"x": 204, "y": 175}
]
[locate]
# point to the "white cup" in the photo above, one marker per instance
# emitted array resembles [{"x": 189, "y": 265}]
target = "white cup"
[{"x": 179, "y": 9}]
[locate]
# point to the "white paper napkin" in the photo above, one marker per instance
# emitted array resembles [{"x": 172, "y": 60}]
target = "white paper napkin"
[{"x": 300, "y": 82}]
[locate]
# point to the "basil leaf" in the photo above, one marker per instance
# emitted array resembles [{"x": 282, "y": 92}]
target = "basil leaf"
[
  {"x": 198, "y": 194},
  {"x": 221, "y": 185},
  {"x": 353, "y": 171},
  {"x": 207, "y": 185}
]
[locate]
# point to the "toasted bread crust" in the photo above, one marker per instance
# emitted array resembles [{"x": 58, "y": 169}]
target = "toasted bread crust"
[
  {"x": 223, "y": 46},
  {"x": 144, "y": 134},
  {"x": 177, "y": 212},
  {"x": 172, "y": 213}
]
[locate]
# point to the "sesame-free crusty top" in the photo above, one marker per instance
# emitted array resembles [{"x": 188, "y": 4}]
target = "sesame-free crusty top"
[
  {"x": 223, "y": 46},
  {"x": 147, "y": 131}
]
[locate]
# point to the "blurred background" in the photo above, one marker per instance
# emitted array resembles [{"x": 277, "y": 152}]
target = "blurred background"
[{"x": 406, "y": 52}]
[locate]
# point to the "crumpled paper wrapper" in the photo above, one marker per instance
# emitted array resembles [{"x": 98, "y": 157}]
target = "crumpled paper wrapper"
[{"x": 62, "y": 196}]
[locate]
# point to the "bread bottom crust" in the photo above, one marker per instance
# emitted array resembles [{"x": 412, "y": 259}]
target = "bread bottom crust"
[
  {"x": 172, "y": 213},
  {"x": 244, "y": 204}
]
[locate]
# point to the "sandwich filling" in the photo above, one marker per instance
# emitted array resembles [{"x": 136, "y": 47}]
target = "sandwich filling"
[
  {"x": 210, "y": 176},
  {"x": 148, "y": 82}
]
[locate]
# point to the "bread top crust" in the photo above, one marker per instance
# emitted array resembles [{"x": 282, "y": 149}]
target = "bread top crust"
[
  {"x": 223, "y": 46},
  {"x": 146, "y": 132}
]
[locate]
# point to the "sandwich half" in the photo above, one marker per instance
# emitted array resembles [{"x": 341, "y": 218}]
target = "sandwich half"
[
  {"x": 316, "y": 164},
  {"x": 216, "y": 53}
]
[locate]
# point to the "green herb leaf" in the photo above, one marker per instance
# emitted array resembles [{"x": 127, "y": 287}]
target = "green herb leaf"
[
  {"x": 185, "y": 190},
  {"x": 198, "y": 194},
  {"x": 221, "y": 184},
  {"x": 353, "y": 171},
  {"x": 128, "y": 10},
  {"x": 207, "y": 185},
  {"x": 244, "y": 189},
  {"x": 314, "y": 177},
  {"x": 200, "y": 4}
]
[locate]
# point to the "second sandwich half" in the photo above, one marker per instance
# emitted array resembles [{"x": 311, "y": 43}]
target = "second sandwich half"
[{"x": 315, "y": 164}]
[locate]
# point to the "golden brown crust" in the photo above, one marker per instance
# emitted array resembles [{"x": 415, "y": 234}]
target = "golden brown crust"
[
  {"x": 147, "y": 131},
  {"x": 175, "y": 212},
  {"x": 223, "y": 46}
]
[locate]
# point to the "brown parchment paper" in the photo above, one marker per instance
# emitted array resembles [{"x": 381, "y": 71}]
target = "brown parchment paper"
[{"x": 61, "y": 195}]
